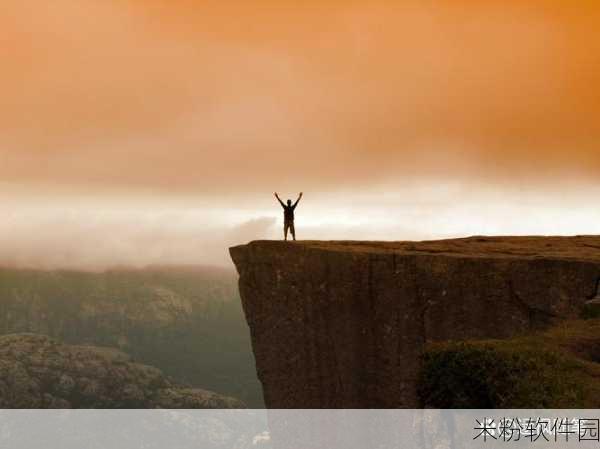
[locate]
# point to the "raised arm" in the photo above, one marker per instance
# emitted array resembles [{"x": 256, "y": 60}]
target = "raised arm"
[
  {"x": 298, "y": 200},
  {"x": 279, "y": 199}
]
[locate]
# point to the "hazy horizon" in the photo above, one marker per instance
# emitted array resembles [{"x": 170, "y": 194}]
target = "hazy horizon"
[{"x": 144, "y": 132}]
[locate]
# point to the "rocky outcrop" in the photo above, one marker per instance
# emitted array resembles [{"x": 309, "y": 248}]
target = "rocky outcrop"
[
  {"x": 343, "y": 324},
  {"x": 39, "y": 372},
  {"x": 187, "y": 321}
]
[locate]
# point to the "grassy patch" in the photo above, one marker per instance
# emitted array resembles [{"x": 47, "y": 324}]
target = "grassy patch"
[
  {"x": 591, "y": 311},
  {"x": 553, "y": 369}
]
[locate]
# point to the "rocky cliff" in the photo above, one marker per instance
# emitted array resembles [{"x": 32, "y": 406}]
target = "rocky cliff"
[
  {"x": 39, "y": 372},
  {"x": 344, "y": 324}
]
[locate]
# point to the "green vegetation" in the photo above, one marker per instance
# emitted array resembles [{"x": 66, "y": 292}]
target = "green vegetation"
[
  {"x": 187, "y": 321},
  {"x": 557, "y": 368},
  {"x": 590, "y": 311}
]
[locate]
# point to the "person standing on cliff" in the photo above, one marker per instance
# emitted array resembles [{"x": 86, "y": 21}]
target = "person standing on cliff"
[{"x": 288, "y": 215}]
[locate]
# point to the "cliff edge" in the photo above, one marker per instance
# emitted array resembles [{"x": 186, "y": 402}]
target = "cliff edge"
[{"x": 343, "y": 324}]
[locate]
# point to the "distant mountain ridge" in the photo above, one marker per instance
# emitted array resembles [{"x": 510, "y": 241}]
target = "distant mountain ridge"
[{"x": 185, "y": 320}]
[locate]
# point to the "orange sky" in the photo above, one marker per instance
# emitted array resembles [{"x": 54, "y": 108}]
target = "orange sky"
[{"x": 130, "y": 98}]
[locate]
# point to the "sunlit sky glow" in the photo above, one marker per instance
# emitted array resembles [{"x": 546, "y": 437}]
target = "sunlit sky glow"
[{"x": 149, "y": 131}]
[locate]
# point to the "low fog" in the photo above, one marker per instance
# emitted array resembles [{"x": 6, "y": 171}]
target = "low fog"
[{"x": 99, "y": 233}]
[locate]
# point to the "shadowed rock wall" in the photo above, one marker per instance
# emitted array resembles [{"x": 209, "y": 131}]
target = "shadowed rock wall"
[{"x": 343, "y": 324}]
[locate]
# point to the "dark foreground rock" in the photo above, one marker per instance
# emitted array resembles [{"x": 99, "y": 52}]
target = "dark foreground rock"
[
  {"x": 39, "y": 372},
  {"x": 344, "y": 324}
]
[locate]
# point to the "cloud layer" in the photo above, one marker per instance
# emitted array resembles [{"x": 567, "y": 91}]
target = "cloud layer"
[
  {"x": 62, "y": 233},
  {"x": 196, "y": 96}
]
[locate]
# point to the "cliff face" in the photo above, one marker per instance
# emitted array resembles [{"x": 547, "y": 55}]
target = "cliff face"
[{"x": 343, "y": 324}]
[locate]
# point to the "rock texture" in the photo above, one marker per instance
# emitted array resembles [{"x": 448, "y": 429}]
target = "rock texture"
[
  {"x": 185, "y": 320},
  {"x": 39, "y": 372},
  {"x": 343, "y": 324}
]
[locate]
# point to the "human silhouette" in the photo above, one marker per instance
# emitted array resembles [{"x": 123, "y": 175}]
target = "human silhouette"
[{"x": 288, "y": 215}]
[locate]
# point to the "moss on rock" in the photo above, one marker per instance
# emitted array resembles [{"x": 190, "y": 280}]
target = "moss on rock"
[{"x": 551, "y": 369}]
